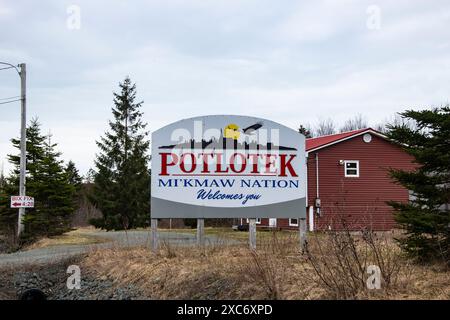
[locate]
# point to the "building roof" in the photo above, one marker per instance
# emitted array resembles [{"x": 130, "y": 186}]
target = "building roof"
[{"x": 324, "y": 141}]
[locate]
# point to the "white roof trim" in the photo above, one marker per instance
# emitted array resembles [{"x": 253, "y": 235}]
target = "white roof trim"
[{"x": 349, "y": 137}]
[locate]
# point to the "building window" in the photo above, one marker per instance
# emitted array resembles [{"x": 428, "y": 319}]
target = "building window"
[
  {"x": 293, "y": 222},
  {"x": 258, "y": 220},
  {"x": 351, "y": 168}
]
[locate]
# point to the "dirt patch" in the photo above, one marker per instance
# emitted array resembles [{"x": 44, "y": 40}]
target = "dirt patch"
[{"x": 82, "y": 236}]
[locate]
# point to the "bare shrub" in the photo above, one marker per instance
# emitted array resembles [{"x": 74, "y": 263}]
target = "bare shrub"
[
  {"x": 384, "y": 254},
  {"x": 268, "y": 266},
  {"x": 262, "y": 268},
  {"x": 280, "y": 244},
  {"x": 216, "y": 244},
  {"x": 168, "y": 249},
  {"x": 340, "y": 261}
]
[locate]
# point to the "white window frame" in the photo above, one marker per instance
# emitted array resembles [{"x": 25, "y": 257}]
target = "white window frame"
[
  {"x": 293, "y": 224},
  {"x": 357, "y": 169},
  {"x": 258, "y": 220}
]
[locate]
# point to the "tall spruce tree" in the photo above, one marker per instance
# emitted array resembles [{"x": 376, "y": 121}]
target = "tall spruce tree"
[
  {"x": 73, "y": 176},
  {"x": 426, "y": 218},
  {"x": 35, "y": 154},
  {"x": 55, "y": 194},
  {"x": 46, "y": 181},
  {"x": 75, "y": 180},
  {"x": 122, "y": 180}
]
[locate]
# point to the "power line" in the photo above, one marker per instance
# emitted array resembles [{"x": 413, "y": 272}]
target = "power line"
[
  {"x": 6, "y": 68},
  {"x": 10, "y": 101},
  {"x": 10, "y": 98},
  {"x": 9, "y": 66}
]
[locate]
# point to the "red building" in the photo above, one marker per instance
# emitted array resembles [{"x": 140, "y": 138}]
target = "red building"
[{"x": 348, "y": 181}]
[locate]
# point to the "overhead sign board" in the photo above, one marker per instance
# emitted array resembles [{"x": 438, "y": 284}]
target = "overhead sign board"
[
  {"x": 22, "y": 202},
  {"x": 226, "y": 166}
]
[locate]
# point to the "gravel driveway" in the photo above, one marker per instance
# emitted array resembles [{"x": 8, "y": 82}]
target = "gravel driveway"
[{"x": 114, "y": 238}]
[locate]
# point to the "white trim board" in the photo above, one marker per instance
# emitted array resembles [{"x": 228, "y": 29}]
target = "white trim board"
[{"x": 376, "y": 133}]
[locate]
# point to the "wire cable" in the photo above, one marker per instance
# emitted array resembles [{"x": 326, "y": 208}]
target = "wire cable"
[
  {"x": 9, "y": 66},
  {"x": 10, "y": 98},
  {"x": 6, "y": 68},
  {"x": 10, "y": 101}
]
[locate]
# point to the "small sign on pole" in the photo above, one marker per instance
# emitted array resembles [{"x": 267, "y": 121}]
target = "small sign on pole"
[{"x": 22, "y": 202}]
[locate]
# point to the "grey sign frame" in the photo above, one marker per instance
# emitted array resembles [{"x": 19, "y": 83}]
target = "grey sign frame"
[{"x": 171, "y": 208}]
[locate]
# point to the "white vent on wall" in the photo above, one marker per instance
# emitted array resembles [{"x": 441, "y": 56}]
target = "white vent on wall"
[{"x": 367, "y": 137}]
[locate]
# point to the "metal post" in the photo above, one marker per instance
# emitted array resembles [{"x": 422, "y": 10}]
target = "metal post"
[
  {"x": 154, "y": 234},
  {"x": 311, "y": 218},
  {"x": 200, "y": 232},
  {"x": 23, "y": 143},
  {"x": 252, "y": 233},
  {"x": 302, "y": 231}
]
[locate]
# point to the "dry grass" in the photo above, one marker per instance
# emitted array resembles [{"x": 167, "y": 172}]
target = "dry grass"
[
  {"x": 277, "y": 270},
  {"x": 173, "y": 273},
  {"x": 236, "y": 235},
  {"x": 80, "y": 236}
]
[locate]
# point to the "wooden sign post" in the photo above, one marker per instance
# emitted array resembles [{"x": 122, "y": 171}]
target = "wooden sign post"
[
  {"x": 252, "y": 233},
  {"x": 302, "y": 233},
  {"x": 154, "y": 234},
  {"x": 201, "y": 232}
]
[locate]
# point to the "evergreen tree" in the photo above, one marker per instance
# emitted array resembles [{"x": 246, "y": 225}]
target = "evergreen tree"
[
  {"x": 426, "y": 218},
  {"x": 35, "y": 154},
  {"x": 2, "y": 177},
  {"x": 122, "y": 180},
  {"x": 46, "y": 181},
  {"x": 73, "y": 175},
  {"x": 8, "y": 216},
  {"x": 55, "y": 195},
  {"x": 75, "y": 180},
  {"x": 306, "y": 131}
]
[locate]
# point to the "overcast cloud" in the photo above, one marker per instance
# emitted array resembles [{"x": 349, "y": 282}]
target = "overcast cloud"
[{"x": 289, "y": 61}]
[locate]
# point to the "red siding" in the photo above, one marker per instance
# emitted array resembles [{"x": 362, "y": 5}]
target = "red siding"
[{"x": 361, "y": 201}]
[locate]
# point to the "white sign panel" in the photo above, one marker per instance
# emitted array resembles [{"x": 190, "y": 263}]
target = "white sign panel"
[
  {"x": 22, "y": 202},
  {"x": 228, "y": 166}
]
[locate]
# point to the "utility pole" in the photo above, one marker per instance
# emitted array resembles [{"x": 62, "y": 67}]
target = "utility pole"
[{"x": 23, "y": 142}]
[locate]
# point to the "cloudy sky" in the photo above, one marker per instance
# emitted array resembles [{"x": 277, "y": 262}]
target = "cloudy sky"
[{"x": 289, "y": 61}]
